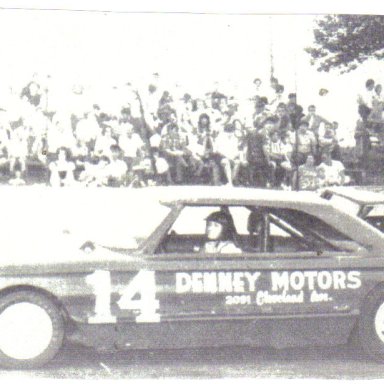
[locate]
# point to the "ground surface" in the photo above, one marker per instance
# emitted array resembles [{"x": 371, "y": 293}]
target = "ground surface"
[{"x": 345, "y": 362}]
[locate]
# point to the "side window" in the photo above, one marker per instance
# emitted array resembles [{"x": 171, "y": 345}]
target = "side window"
[
  {"x": 314, "y": 233},
  {"x": 188, "y": 232},
  {"x": 191, "y": 220},
  {"x": 284, "y": 237},
  {"x": 255, "y": 230},
  {"x": 240, "y": 219}
]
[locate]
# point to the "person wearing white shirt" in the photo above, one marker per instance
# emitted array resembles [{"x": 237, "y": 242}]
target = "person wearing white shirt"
[
  {"x": 18, "y": 148},
  {"x": 365, "y": 99},
  {"x": 201, "y": 108},
  {"x": 227, "y": 145},
  {"x": 117, "y": 169},
  {"x": 377, "y": 105},
  {"x": 331, "y": 171},
  {"x": 62, "y": 170},
  {"x": 87, "y": 128},
  {"x": 59, "y": 134},
  {"x": 131, "y": 145},
  {"x": 104, "y": 142}
]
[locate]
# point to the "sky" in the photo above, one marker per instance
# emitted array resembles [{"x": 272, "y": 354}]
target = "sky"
[{"x": 192, "y": 50}]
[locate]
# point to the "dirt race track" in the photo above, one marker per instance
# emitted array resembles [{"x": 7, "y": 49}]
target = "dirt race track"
[{"x": 347, "y": 362}]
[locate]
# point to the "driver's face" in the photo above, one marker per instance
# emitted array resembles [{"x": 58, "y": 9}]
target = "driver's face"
[{"x": 213, "y": 230}]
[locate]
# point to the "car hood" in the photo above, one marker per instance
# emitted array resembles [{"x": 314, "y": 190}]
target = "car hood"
[{"x": 60, "y": 247}]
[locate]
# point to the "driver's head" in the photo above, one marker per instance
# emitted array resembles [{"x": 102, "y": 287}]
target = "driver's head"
[{"x": 219, "y": 226}]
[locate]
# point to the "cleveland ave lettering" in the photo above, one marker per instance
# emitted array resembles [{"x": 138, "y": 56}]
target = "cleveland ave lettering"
[{"x": 284, "y": 281}]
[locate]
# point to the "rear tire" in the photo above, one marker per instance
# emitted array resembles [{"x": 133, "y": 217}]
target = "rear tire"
[
  {"x": 371, "y": 325},
  {"x": 31, "y": 330}
]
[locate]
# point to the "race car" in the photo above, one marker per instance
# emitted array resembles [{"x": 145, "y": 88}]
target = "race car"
[{"x": 118, "y": 269}]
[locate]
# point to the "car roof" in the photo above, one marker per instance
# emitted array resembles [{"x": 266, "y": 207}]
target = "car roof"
[
  {"x": 359, "y": 196},
  {"x": 195, "y": 195}
]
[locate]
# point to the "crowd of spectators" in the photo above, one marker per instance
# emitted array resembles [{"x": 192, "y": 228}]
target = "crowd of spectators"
[{"x": 266, "y": 140}]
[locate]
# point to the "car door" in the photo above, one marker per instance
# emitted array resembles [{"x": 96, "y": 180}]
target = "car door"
[{"x": 291, "y": 279}]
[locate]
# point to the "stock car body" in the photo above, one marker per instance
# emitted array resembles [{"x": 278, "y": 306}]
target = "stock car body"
[{"x": 309, "y": 273}]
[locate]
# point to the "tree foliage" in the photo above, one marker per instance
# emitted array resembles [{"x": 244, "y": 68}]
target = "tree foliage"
[{"x": 345, "y": 41}]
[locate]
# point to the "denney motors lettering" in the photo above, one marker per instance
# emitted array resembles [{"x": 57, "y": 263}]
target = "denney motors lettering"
[{"x": 240, "y": 282}]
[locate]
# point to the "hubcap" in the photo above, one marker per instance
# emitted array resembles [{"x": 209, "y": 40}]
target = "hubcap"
[
  {"x": 25, "y": 331},
  {"x": 379, "y": 322}
]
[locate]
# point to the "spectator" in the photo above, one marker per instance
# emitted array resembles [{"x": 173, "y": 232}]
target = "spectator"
[
  {"x": 314, "y": 121},
  {"x": 137, "y": 122},
  {"x": 163, "y": 175},
  {"x": 365, "y": 100},
  {"x": 87, "y": 129},
  {"x": 32, "y": 94},
  {"x": 277, "y": 98},
  {"x": 18, "y": 148},
  {"x": 131, "y": 145},
  {"x": 186, "y": 114},
  {"x": 308, "y": 175},
  {"x": 206, "y": 143},
  {"x": 328, "y": 141},
  {"x": 257, "y": 89},
  {"x": 287, "y": 150},
  {"x": 200, "y": 108},
  {"x": 257, "y": 143},
  {"x": 166, "y": 108},
  {"x": 17, "y": 180},
  {"x": 241, "y": 134},
  {"x": 336, "y": 152},
  {"x": 283, "y": 121},
  {"x": 155, "y": 138},
  {"x": 305, "y": 145},
  {"x": 276, "y": 158},
  {"x": 104, "y": 142},
  {"x": 225, "y": 113},
  {"x": 117, "y": 168},
  {"x": 96, "y": 175},
  {"x": 363, "y": 143},
  {"x": 227, "y": 145},
  {"x": 62, "y": 170},
  {"x": 174, "y": 148},
  {"x": 59, "y": 134},
  {"x": 260, "y": 115},
  {"x": 294, "y": 110},
  {"x": 332, "y": 171},
  {"x": 376, "y": 114}
]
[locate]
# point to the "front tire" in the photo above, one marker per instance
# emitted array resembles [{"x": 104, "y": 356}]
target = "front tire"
[
  {"x": 31, "y": 330},
  {"x": 371, "y": 325}
]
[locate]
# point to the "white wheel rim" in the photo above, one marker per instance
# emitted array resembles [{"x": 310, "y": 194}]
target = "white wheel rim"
[
  {"x": 25, "y": 331},
  {"x": 379, "y": 322}
]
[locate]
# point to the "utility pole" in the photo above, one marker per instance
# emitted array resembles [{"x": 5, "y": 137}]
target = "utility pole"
[
  {"x": 271, "y": 58},
  {"x": 296, "y": 127}
]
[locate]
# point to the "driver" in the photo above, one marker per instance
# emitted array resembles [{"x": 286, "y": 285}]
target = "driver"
[{"x": 220, "y": 233}]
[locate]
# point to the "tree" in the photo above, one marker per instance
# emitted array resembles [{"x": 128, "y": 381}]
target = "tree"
[{"x": 344, "y": 41}]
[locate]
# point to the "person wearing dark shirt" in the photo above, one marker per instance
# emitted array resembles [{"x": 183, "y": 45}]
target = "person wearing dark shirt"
[
  {"x": 260, "y": 115},
  {"x": 283, "y": 121},
  {"x": 257, "y": 141},
  {"x": 295, "y": 111},
  {"x": 173, "y": 145}
]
